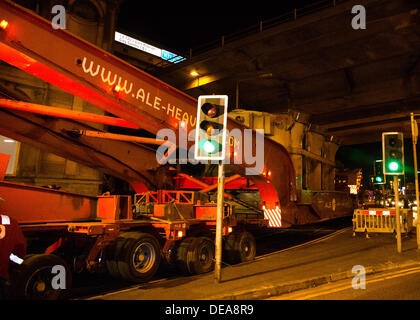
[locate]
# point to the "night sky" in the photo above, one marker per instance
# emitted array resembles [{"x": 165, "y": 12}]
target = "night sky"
[{"x": 181, "y": 25}]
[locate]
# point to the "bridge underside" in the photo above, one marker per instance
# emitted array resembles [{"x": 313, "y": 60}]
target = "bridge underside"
[{"x": 354, "y": 83}]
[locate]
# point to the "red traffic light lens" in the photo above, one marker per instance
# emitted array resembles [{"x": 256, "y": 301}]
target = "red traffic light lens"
[
  {"x": 392, "y": 142},
  {"x": 212, "y": 110}
]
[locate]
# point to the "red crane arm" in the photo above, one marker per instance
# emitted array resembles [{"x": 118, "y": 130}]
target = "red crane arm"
[{"x": 56, "y": 56}]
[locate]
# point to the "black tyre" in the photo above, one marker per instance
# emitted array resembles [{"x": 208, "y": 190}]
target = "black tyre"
[
  {"x": 201, "y": 256},
  {"x": 138, "y": 257},
  {"x": 41, "y": 277},
  {"x": 113, "y": 252},
  {"x": 182, "y": 255},
  {"x": 240, "y": 247}
]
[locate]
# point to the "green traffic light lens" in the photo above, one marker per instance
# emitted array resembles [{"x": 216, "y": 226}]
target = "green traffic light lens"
[
  {"x": 378, "y": 179},
  {"x": 393, "y": 166},
  {"x": 209, "y": 146}
]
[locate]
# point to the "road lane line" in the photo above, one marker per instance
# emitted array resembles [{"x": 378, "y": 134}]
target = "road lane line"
[{"x": 344, "y": 286}]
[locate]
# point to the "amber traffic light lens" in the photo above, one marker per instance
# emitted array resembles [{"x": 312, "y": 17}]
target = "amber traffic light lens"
[
  {"x": 394, "y": 154},
  {"x": 209, "y": 129}
]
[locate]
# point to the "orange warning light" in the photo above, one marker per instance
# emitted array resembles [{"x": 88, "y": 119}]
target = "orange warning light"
[{"x": 4, "y": 24}]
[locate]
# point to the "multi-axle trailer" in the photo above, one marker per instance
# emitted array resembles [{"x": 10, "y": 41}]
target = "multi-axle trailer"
[{"x": 128, "y": 238}]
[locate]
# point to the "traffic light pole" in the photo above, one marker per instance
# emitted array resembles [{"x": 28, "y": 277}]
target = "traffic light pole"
[
  {"x": 414, "y": 134},
  {"x": 210, "y": 144},
  {"x": 397, "y": 213},
  {"x": 219, "y": 222}
]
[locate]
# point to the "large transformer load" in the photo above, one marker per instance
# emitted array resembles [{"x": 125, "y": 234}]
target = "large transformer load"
[{"x": 312, "y": 153}]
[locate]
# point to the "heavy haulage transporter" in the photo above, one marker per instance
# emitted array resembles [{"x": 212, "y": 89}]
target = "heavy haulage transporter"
[{"x": 130, "y": 236}]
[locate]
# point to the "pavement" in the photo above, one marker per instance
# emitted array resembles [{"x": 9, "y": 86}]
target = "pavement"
[{"x": 327, "y": 259}]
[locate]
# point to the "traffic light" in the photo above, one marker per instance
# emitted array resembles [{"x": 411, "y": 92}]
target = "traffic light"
[
  {"x": 393, "y": 153},
  {"x": 210, "y": 136},
  {"x": 378, "y": 172}
]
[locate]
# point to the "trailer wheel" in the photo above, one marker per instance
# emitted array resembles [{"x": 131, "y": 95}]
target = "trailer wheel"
[
  {"x": 182, "y": 255},
  {"x": 37, "y": 279},
  {"x": 201, "y": 256},
  {"x": 112, "y": 257},
  {"x": 138, "y": 256},
  {"x": 240, "y": 247}
]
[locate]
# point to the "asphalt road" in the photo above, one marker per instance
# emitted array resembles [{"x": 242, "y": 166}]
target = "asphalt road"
[{"x": 402, "y": 284}]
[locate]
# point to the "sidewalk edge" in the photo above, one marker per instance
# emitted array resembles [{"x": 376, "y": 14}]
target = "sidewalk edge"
[{"x": 284, "y": 288}]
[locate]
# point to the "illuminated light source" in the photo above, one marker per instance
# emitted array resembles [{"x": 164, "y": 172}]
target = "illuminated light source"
[
  {"x": 4, "y": 24},
  {"x": 353, "y": 188},
  {"x": 269, "y": 173},
  {"x": 117, "y": 88},
  {"x": 393, "y": 166},
  {"x": 209, "y": 146},
  {"x": 194, "y": 73},
  {"x": 183, "y": 124},
  {"x": 230, "y": 229},
  {"x": 8, "y": 141},
  {"x": 378, "y": 179},
  {"x": 139, "y": 45},
  {"x": 180, "y": 234}
]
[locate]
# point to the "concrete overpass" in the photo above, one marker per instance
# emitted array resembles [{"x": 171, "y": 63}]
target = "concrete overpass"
[{"x": 355, "y": 84}]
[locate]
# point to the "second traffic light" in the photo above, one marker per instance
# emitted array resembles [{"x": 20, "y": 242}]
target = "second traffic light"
[
  {"x": 379, "y": 172},
  {"x": 393, "y": 153},
  {"x": 210, "y": 136}
]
